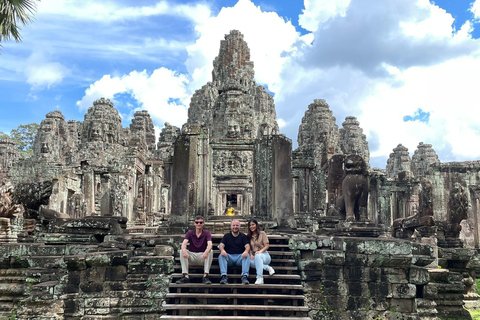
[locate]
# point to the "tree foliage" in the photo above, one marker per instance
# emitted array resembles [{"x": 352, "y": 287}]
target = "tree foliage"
[
  {"x": 24, "y": 137},
  {"x": 12, "y": 14}
]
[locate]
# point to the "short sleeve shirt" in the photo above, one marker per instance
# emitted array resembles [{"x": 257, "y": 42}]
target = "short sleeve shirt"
[
  {"x": 234, "y": 245},
  {"x": 198, "y": 244},
  {"x": 259, "y": 242}
]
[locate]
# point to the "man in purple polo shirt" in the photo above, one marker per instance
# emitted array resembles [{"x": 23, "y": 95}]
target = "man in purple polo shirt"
[{"x": 199, "y": 251}]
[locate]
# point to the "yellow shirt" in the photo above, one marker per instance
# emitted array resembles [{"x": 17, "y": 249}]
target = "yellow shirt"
[{"x": 258, "y": 243}]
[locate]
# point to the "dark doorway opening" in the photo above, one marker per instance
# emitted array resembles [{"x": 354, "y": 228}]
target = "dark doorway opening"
[{"x": 232, "y": 200}]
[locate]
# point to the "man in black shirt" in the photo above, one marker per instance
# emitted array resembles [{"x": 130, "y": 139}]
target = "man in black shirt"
[{"x": 234, "y": 251}]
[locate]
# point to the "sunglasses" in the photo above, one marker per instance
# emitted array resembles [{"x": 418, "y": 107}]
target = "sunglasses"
[{"x": 198, "y": 222}]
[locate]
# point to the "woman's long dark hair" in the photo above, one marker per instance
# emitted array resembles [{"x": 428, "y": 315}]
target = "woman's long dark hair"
[{"x": 249, "y": 232}]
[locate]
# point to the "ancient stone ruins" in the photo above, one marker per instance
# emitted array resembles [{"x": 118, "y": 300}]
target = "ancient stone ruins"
[{"x": 91, "y": 224}]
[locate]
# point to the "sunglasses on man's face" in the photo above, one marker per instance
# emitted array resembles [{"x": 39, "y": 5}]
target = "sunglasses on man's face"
[{"x": 198, "y": 222}]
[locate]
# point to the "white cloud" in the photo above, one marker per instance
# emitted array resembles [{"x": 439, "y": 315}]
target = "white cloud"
[
  {"x": 163, "y": 93},
  {"x": 319, "y": 11},
  {"x": 475, "y": 9},
  {"x": 41, "y": 73},
  {"x": 269, "y": 38},
  {"x": 108, "y": 11}
]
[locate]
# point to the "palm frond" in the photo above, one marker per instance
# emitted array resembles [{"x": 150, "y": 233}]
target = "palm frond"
[{"x": 12, "y": 14}]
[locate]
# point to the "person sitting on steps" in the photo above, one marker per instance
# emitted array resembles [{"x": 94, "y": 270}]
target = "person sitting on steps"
[
  {"x": 199, "y": 251},
  {"x": 259, "y": 256},
  {"x": 234, "y": 251}
]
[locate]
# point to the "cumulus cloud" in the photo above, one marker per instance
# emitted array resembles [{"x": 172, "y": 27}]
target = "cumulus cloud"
[
  {"x": 475, "y": 9},
  {"x": 269, "y": 38},
  {"x": 400, "y": 33},
  {"x": 380, "y": 62},
  {"x": 42, "y": 73},
  {"x": 163, "y": 93}
]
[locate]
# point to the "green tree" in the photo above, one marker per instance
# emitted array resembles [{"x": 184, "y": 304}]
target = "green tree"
[
  {"x": 24, "y": 137},
  {"x": 12, "y": 14}
]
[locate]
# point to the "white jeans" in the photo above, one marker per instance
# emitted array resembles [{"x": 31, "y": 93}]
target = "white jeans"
[{"x": 195, "y": 258}]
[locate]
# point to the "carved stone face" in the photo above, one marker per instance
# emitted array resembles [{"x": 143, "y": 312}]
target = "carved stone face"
[
  {"x": 47, "y": 126},
  {"x": 233, "y": 129},
  {"x": 96, "y": 132}
]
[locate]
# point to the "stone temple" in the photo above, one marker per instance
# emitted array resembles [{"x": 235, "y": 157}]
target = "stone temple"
[{"x": 97, "y": 210}]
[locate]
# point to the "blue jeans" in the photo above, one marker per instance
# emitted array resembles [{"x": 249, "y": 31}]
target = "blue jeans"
[
  {"x": 260, "y": 262},
  {"x": 233, "y": 260}
]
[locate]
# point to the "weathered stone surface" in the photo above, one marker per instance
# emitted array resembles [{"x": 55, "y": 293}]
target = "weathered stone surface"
[
  {"x": 352, "y": 139},
  {"x": 422, "y": 158},
  {"x": 398, "y": 162}
]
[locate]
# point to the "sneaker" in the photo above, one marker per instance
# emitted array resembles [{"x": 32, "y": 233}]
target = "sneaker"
[
  {"x": 224, "y": 280},
  {"x": 245, "y": 280},
  {"x": 271, "y": 271},
  {"x": 259, "y": 281},
  {"x": 206, "y": 280},
  {"x": 183, "y": 280}
]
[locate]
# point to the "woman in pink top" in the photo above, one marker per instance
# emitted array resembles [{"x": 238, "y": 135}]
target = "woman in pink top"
[{"x": 259, "y": 256}]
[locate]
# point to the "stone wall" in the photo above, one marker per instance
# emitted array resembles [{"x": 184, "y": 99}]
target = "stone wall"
[
  {"x": 366, "y": 278},
  {"x": 121, "y": 277}
]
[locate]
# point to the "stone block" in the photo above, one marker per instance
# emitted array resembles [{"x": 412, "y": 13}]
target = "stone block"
[
  {"x": 395, "y": 275},
  {"x": 331, "y": 288},
  {"x": 404, "y": 291},
  {"x": 116, "y": 273},
  {"x": 330, "y": 257},
  {"x": 419, "y": 275},
  {"x": 76, "y": 262},
  {"x": 380, "y": 260},
  {"x": 356, "y": 259},
  {"x": 333, "y": 273},
  {"x": 151, "y": 265},
  {"x": 312, "y": 264},
  {"x": 402, "y": 305}
]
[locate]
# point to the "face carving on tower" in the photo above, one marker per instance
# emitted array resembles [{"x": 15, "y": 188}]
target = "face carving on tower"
[{"x": 233, "y": 129}]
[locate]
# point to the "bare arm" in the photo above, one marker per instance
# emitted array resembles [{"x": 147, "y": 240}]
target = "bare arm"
[
  {"x": 222, "y": 249},
  {"x": 209, "y": 247},
  {"x": 184, "y": 248},
  {"x": 247, "y": 251}
]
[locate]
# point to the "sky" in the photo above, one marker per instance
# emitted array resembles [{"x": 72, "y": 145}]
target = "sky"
[{"x": 405, "y": 68}]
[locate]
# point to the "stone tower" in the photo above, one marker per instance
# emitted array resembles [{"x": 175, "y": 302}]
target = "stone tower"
[
  {"x": 318, "y": 133},
  {"x": 398, "y": 161},
  {"x": 352, "y": 139},
  {"x": 233, "y": 105},
  {"x": 422, "y": 158},
  {"x": 230, "y": 154},
  {"x": 52, "y": 140},
  {"x": 143, "y": 129}
]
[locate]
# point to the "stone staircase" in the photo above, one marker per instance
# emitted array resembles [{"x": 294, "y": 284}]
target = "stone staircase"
[{"x": 281, "y": 297}]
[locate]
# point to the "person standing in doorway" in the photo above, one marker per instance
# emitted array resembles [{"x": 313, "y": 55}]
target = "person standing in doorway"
[
  {"x": 259, "y": 256},
  {"x": 199, "y": 251},
  {"x": 234, "y": 251}
]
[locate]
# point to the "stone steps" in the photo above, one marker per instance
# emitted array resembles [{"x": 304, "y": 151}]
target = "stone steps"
[{"x": 281, "y": 297}]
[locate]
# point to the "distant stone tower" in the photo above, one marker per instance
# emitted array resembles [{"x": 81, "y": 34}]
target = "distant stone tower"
[
  {"x": 398, "y": 161},
  {"x": 143, "y": 129},
  {"x": 52, "y": 140},
  {"x": 352, "y": 139},
  {"x": 102, "y": 124},
  {"x": 166, "y": 140},
  {"x": 318, "y": 133},
  {"x": 422, "y": 158},
  {"x": 8, "y": 154}
]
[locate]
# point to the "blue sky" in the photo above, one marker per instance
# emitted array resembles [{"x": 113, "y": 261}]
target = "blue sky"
[{"x": 407, "y": 69}]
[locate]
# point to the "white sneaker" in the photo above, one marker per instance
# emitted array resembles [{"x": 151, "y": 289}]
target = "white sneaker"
[
  {"x": 259, "y": 281},
  {"x": 271, "y": 271}
]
